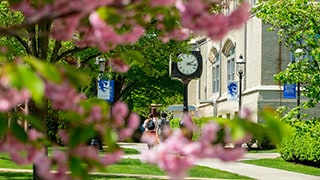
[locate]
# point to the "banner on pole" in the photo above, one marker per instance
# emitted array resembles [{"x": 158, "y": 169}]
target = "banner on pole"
[
  {"x": 233, "y": 90},
  {"x": 289, "y": 91},
  {"x": 105, "y": 89}
]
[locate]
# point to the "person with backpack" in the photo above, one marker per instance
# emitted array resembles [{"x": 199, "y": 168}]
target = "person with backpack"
[
  {"x": 163, "y": 129},
  {"x": 150, "y": 136}
]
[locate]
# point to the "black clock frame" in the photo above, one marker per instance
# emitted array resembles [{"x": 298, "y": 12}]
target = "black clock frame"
[{"x": 175, "y": 73}]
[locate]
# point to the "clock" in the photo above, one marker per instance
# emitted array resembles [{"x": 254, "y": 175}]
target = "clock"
[{"x": 188, "y": 67}]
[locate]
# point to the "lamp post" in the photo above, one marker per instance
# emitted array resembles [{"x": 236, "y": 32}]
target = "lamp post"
[
  {"x": 241, "y": 65},
  {"x": 101, "y": 61}
]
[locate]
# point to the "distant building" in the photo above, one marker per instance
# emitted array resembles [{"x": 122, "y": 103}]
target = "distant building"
[{"x": 264, "y": 57}]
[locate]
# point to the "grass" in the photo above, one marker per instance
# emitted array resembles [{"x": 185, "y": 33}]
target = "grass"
[
  {"x": 125, "y": 166},
  {"x": 279, "y": 163},
  {"x": 263, "y": 151},
  {"x": 135, "y": 166}
]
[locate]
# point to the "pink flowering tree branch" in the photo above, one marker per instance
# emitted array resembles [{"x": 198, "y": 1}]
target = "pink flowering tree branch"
[{"x": 104, "y": 24}]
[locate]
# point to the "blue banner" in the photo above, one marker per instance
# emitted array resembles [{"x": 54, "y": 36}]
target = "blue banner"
[
  {"x": 289, "y": 91},
  {"x": 232, "y": 90},
  {"x": 106, "y": 89}
]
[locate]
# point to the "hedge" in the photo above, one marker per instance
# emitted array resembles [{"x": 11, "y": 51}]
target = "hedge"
[{"x": 304, "y": 144}]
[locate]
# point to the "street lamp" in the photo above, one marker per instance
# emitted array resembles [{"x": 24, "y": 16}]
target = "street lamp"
[
  {"x": 241, "y": 72},
  {"x": 102, "y": 63}
]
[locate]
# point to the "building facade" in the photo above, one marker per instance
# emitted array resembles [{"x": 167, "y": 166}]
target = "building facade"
[{"x": 264, "y": 57}]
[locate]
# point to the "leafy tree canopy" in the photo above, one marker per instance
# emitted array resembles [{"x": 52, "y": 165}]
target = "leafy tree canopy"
[{"x": 297, "y": 23}]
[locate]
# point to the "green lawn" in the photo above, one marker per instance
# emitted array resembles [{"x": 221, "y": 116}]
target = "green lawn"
[
  {"x": 279, "y": 163},
  {"x": 263, "y": 151},
  {"x": 125, "y": 166}
]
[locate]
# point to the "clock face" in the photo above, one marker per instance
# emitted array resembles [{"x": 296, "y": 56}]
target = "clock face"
[{"x": 188, "y": 65}]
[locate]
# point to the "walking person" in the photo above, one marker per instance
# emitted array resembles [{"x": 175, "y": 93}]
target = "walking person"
[
  {"x": 163, "y": 130},
  {"x": 150, "y": 136}
]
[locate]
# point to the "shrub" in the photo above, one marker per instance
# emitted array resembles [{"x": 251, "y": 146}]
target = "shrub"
[{"x": 304, "y": 145}]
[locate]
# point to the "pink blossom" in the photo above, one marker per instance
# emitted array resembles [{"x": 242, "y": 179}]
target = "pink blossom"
[
  {"x": 66, "y": 25},
  {"x": 24, "y": 7},
  {"x": 119, "y": 110},
  {"x": 171, "y": 157},
  {"x": 64, "y": 136},
  {"x": 63, "y": 95},
  {"x": 11, "y": 97},
  {"x": 43, "y": 165},
  {"x": 111, "y": 158},
  {"x": 177, "y": 34},
  {"x": 34, "y": 134},
  {"x": 149, "y": 138},
  {"x": 229, "y": 154},
  {"x": 59, "y": 156},
  {"x": 134, "y": 120},
  {"x": 162, "y": 2},
  {"x": 239, "y": 16},
  {"x": 118, "y": 65},
  {"x": 209, "y": 132},
  {"x": 187, "y": 122},
  {"x": 95, "y": 114},
  {"x": 125, "y": 133}
]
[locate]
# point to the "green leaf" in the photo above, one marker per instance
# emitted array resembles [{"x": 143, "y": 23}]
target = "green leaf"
[
  {"x": 77, "y": 170},
  {"x": 22, "y": 77},
  {"x": 46, "y": 70},
  {"x": 131, "y": 55},
  {"x": 81, "y": 135},
  {"x": 77, "y": 77},
  {"x": 109, "y": 14},
  {"x": 3, "y": 124},
  {"x": 110, "y": 138},
  {"x": 241, "y": 127},
  {"x": 275, "y": 129},
  {"x": 34, "y": 122},
  {"x": 19, "y": 132},
  {"x": 33, "y": 83}
]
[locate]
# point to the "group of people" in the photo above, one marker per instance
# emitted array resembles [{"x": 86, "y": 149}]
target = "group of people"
[{"x": 156, "y": 129}]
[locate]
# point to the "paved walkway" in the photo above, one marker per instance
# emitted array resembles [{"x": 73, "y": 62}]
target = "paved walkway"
[{"x": 252, "y": 171}]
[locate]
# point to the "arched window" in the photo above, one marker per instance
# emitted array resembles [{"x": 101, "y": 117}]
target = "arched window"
[
  {"x": 214, "y": 58},
  {"x": 229, "y": 51}
]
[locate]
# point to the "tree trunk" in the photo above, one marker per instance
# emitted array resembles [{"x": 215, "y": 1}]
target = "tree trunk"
[{"x": 42, "y": 115}]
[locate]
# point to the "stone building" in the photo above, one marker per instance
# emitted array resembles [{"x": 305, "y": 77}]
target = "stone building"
[{"x": 264, "y": 57}]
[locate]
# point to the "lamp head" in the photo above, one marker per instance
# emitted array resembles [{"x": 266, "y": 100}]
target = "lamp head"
[
  {"x": 241, "y": 60},
  {"x": 101, "y": 62}
]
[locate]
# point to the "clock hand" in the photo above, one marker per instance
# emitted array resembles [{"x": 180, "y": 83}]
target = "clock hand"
[{"x": 190, "y": 63}]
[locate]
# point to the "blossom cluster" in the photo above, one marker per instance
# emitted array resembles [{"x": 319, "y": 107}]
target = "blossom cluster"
[
  {"x": 105, "y": 24},
  {"x": 65, "y": 98},
  {"x": 10, "y": 97},
  {"x": 197, "y": 17},
  {"x": 68, "y": 17},
  {"x": 177, "y": 154}
]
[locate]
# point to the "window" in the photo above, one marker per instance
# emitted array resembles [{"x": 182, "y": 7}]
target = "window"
[
  {"x": 231, "y": 64},
  {"x": 216, "y": 78},
  {"x": 214, "y": 58}
]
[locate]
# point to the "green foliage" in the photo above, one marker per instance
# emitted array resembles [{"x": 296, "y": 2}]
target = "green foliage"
[
  {"x": 297, "y": 23},
  {"x": 23, "y": 77},
  {"x": 262, "y": 143},
  {"x": 272, "y": 131},
  {"x": 303, "y": 146},
  {"x": 148, "y": 81},
  {"x": 7, "y": 18},
  {"x": 3, "y": 124}
]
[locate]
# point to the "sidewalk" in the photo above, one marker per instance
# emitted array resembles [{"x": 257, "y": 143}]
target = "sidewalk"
[{"x": 252, "y": 171}]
